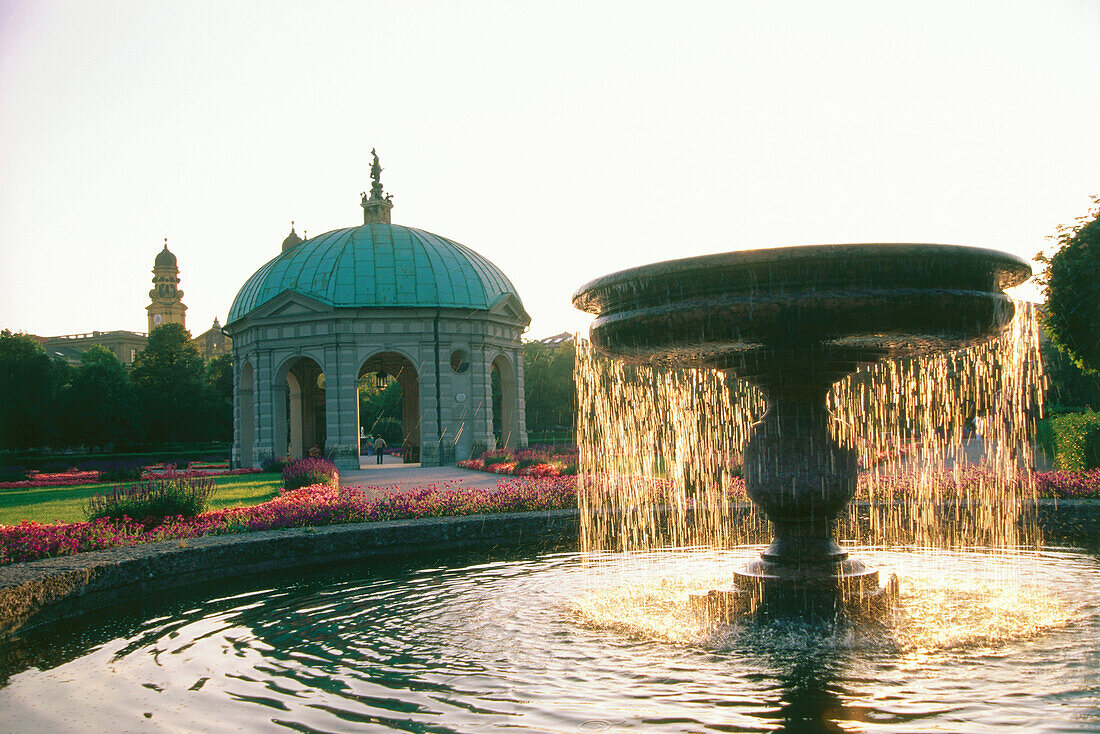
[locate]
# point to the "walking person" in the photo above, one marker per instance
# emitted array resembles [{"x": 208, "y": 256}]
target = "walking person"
[{"x": 379, "y": 444}]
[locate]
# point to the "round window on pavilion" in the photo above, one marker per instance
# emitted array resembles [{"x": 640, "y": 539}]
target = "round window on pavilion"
[{"x": 460, "y": 361}]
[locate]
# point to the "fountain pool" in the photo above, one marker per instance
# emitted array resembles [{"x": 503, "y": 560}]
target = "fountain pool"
[
  {"x": 558, "y": 641},
  {"x": 979, "y": 639}
]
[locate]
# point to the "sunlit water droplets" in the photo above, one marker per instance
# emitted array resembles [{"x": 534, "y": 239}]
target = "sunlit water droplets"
[
  {"x": 949, "y": 604},
  {"x": 661, "y": 448}
]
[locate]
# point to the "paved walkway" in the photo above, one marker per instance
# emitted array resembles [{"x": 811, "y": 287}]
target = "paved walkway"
[{"x": 393, "y": 474}]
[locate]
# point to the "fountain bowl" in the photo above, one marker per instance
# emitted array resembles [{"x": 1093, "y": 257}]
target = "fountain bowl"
[{"x": 860, "y": 302}]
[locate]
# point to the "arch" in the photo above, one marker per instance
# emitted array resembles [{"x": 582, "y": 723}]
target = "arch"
[
  {"x": 506, "y": 416},
  {"x": 247, "y": 422},
  {"x": 396, "y": 366},
  {"x": 284, "y": 367},
  {"x": 300, "y": 423}
]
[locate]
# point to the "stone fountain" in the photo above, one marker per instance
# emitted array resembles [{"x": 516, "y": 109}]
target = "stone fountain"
[{"x": 793, "y": 321}]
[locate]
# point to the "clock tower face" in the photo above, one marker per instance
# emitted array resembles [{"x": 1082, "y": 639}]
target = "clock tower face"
[{"x": 157, "y": 319}]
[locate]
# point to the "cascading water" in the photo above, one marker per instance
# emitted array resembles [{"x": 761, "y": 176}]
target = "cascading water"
[{"x": 661, "y": 449}]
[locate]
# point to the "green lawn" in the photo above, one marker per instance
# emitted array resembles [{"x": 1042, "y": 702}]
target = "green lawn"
[{"x": 66, "y": 504}]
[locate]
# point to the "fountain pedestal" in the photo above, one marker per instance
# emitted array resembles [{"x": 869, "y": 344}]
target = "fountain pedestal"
[
  {"x": 801, "y": 477},
  {"x": 801, "y": 472}
]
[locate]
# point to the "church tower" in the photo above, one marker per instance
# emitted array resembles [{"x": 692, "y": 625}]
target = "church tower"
[{"x": 167, "y": 299}]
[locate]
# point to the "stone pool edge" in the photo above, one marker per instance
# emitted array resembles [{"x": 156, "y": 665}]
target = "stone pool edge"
[
  {"x": 35, "y": 593},
  {"x": 40, "y": 592}
]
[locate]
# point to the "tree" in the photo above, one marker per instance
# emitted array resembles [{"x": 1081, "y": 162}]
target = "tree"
[
  {"x": 380, "y": 408},
  {"x": 1071, "y": 283},
  {"x": 1069, "y": 388},
  {"x": 172, "y": 389},
  {"x": 100, "y": 402},
  {"x": 219, "y": 379},
  {"x": 551, "y": 392},
  {"x": 30, "y": 387}
]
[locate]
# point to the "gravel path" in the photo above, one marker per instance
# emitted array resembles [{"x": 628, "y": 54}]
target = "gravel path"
[{"x": 408, "y": 476}]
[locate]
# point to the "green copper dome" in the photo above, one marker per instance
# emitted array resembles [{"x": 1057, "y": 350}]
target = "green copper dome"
[{"x": 377, "y": 265}]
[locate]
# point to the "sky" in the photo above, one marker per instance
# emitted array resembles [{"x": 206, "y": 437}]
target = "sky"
[{"x": 561, "y": 140}]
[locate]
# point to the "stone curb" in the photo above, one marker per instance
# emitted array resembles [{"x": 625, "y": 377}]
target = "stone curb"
[{"x": 51, "y": 589}]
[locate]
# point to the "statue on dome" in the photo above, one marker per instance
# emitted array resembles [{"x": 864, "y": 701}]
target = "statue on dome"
[{"x": 376, "y": 177}]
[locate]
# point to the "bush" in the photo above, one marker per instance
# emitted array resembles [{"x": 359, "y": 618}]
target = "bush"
[
  {"x": 13, "y": 473},
  {"x": 153, "y": 499},
  {"x": 270, "y": 464},
  {"x": 120, "y": 471},
  {"x": 389, "y": 429},
  {"x": 497, "y": 456},
  {"x": 1044, "y": 436},
  {"x": 1076, "y": 441},
  {"x": 525, "y": 462},
  {"x": 307, "y": 472}
]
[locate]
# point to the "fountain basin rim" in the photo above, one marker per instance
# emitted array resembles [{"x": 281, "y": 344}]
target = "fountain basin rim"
[
  {"x": 594, "y": 296},
  {"x": 857, "y": 330},
  {"x": 39, "y": 593}
]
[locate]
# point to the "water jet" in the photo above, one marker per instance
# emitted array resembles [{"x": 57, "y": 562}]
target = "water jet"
[{"x": 793, "y": 321}]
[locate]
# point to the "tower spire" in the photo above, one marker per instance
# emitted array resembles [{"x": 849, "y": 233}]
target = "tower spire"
[
  {"x": 377, "y": 207},
  {"x": 166, "y": 299}
]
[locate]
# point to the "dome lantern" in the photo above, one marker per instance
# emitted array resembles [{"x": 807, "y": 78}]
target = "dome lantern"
[{"x": 292, "y": 240}]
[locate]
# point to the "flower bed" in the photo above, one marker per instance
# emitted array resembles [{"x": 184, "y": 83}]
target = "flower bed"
[
  {"x": 317, "y": 505},
  {"x": 323, "y": 504},
  {"x": 535, "y": 461},
  {"x": 195, "y": 470},
  {"x": 942, "y": 486},
  {"x": 968, "y": 482},
  {"x": 76, "y": 477},
  {"x": 55, "y": 479},
  {"x": 1069, "y": 484},
  {"x": 307, "y": 472}
]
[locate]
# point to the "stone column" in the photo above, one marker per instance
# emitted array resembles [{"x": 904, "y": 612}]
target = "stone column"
[
  {"x": 521, "y": 400},
  {"x": 264, "y": 413},
  {"x": 429, "y": 425},
  {"x": 278, "y": 413},
  {"x": 481, "y": 382},
  {"x": 244, "y": 414},
  {"x": 235, "y": 451},
  {"x": 342, "y": 406}
]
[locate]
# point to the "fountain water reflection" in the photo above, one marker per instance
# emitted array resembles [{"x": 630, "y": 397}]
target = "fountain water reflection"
[
  {"x": 948, "y": 601},
  {"x": 480, "y": 643}
]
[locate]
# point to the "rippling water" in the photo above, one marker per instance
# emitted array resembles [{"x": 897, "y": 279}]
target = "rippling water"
[{"x": 562, "y": 643}]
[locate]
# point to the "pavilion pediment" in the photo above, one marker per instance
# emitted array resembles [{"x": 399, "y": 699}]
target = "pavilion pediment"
[
  {"x": 290, "y": 303},
  {"x": 510, "y": 307}
]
